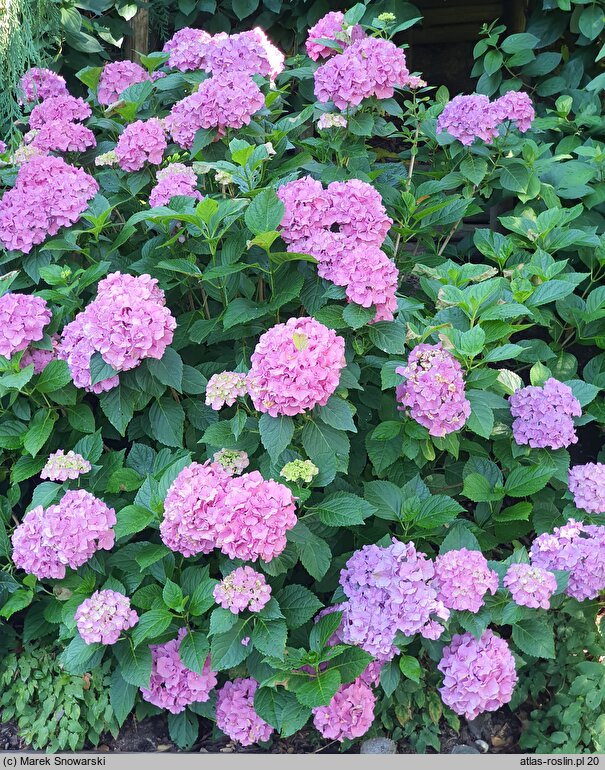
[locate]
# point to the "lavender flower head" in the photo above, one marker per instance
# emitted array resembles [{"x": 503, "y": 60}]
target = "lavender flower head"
[
  {"x": 543, "y": 415},
  {"x": 232, "y": 461},
  {"x": 235, "y": 713},
  {"x": 434, "y": 390},
  {"x": 530, "y": 586},
  {"x": 140, "y": 142},
  {"x": 515, "y": 106},
  {"x": 243, "y": 589},
  {"x": 463, "y": 578},
  {"x": 61, "y": 466},
  {"x": 224, "y": 389},
  {"x": 104, "y": 616},
  {"x": 467, "y": 118},
  {"x": 22, "y": 320},
  {"x": 478, "y": 674},
  {"x": 38, "y": 84},
  {"x": 587, "y": 484},
  {"x": 332, "y": 26},
  {"x": 348, "y": 715}
]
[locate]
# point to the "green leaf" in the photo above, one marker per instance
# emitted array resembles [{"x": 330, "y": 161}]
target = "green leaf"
[
  {"x": 81, "y": 418},
  {"x": 320, "y": 690},
  {"x": 522, "y": 41},
  {"x": 436, "y": 511},
  {"x": 481, "y": 418},
  {"x": 172, "y": 595},
  {"x": 227, "y": 649},
  {"x": 410, "y": 668},
  {"x": 79, "y": 657},
  {"x": 298, "y": 604},
  {"x": 118, "y": 406},
  {"x": 90, "y": 77},
  {"x": 149, "y": 554},
  {"x": 194, "y": 650},
  {"x": 54, "y": 376},
  {"x": 202, "y": 598},
  {"x": 343, "y": 509},
  {"x": 523, "y": 481},
  {"x": 151, "y": 624},
  {"x": 479, "y": 489},
  {"x": 39, "y": 431},
  {"x": 474, "y": 169},
  {"x": 122, "y": 696},
  {"x": 132, "y": 519},
  {"x": 265, "y": 213},
  {"x": 26, "y": 467},
  {"x": 388, "y": 336},
  {"x": 269, "y": 636},
  {"x": 337, "y": 414},
  {"x": 240, "y": 310},
  {"x": 357, "y": 316},
  {"x": 361, "y": 124},
  {"x": 168, "y": 370},
  {"x": 386, "y": 497},
  {"x": 314, "y": 553},
  {"x": 183, "y": 729},
  {"x": 17, "y": 601},
  {"x": 244, "y": 8},
  {"x": 167, "y": 420},
  {"x": 534, "y": 636},
  {"x": 515, "y": 177},
  {"x": 99, "y": 369},
  {"x": 276, "y": 434},
  {"x": 135, "y": 664},
  {"x": 124, "y": 480},
  {"x": 351, "y": 663}
]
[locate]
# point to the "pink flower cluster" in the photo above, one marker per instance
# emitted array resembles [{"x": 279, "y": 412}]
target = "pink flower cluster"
[
  {"x": 368, "y": 67},
  {"x": 173, "y": 686},
  {"x": 433, "y": 390},
  {"x": 187, "y": 49},
  {"x": 126, "y": 323},
  {"x": 140, "y": 142},
  {"x": 38, "y": 357},
  {"x": 544, "y": 415},
  {"x": 575, "y": 548},
  {"x": 224, "y": 389},
  {"x": 48, "y": 194},
  {"x": 175, "y": 179},
  {"x": 235, "y": 714},
  {"x": 343, "y": 227},
  {"x": 462, "y": 578},
  {"x": 22, "y": 320},
  {"x": 478, "y": 674},
  {"x": 232, "y": 461},
  {"x": 104, "y": 616},
  {"x": 389, "y": 590},
  {"x": 64, "y": 107},
  {"x": 66, "y": 534},
  {"x": 332, "y": 26},
  {"x": 39, "y": 83},
  {"x": 295, "y": 366},
  {"x": 349, "y": 714},
  {"x": 587, "y": 484},
  {"x": 62, "y": 136},
  {"x": 470, "y": 117},
  {"x": 61, "y": 466},
  {"x": 227, "y": 100},
  {"x": 243, "y": 589},
  {"x": 530, "y": 586},
  {"x": 246, "y": 516},
  {"x": 117, "y": 77}
]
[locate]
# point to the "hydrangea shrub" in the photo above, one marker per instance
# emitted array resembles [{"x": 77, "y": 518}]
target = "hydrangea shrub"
[{"x": 285, "y": 444}]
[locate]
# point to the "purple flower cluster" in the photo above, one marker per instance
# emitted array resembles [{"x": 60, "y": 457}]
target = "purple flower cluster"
[
  {"x": 175, "y": 179},
  {"x": 224, "y": 389},
  {"x": 62, "y": 136},
  {"x": 235, "y": 714},
  {"x": 141, "y": 142},
  {"x": 187, "y": 49},
  {"x": 38, "y": 357},
  {"x": 173, "y": 686},
  {"x": 389, "y": 590},
  {"x": 48, "y": 194},
  {"x": 530, "y": 586},
  {"x": 368, "y": 67},
  {"x": 478, "y": 674},
  {"x": 104, "y": 616},
  {"x": 117, "y": 77},
  {"x": 295, "y": 366},
  {"x": 64, "y": 107},
  {"x": 246, "y": 516},
  {"x": 66, "y": 534},
  {"x": 575, "y": 548},
  {"x": 544, "y": 415},
  {"x": 22, "y": 320},
  {"x": 39, "y": 83},
  {"x": 462, "y": 578},
  {"x": 433, "y": 390},
  {"x": 349, "y": 714},
  {"x": 473, "y": 116},
  {"x": 243, "y": 589},
  {"x": 332, "y": 26},
  {"x": 61, "y": 466},
  {"x": 126, "y": 323},
  {"x": 343, "y": 227},
  {"x": 587, "y": 484}
]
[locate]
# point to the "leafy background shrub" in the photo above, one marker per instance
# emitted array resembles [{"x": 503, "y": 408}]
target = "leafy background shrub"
[{"x": 515, "y": 303}]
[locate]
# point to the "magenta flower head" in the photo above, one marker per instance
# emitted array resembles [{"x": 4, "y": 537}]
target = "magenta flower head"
[
  {"x": 463, "y": 578},
  {"x": 543, "y": 415},
  {"x": 117, "y": 77},
  {"x": 173, "y": 686},
  {"x": 76, "y": 348},
  {"x": 39, "y": 84},
  {"x": 61, "y": 466},
  {"x": 371, "y": 278},
  {"x": 467, "y": 118},
  {"x": 66, "y": 534},
  {"x": 530, "y": 586},
  {"x": 175, "y": 179},
  {"x": 433, "y": 391},
  {"x": 332, "y": 26},
  {"x": 515, "y": 106},
  {"x": 575, "y": 548},
  {"x": 66, "y": 108},
  {"x": 104, "y": 616},
  {"x": 388, "y": 590},
  {"x": 478, "y": 674},
  {"x": 192, "y": 508},
  {"x": 587, "y": 484},
  {"x": 235, "y": 713},
  {"x": 224, "y": 389},
  {"x": 348, "y": 715},
  {"x": 357, "y": 208},
  {"x": 22, "y": 320},
  {"x": 243, "y": 589},
  {"x": 38, "y": 357},
  {"x": 253, "y": 518},
  {"x": 141, "y": 142},
  {"x": 187, "y": 49},
  {"x": 295, "y": 366},
  {"x": 246, "y": 53},
  {"x": 63, "y": 136}
]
